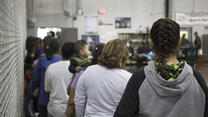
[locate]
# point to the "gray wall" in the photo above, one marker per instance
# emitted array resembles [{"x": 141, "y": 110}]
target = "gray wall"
[
  {"x": 188, "y": 6},
  {"x": 143, "y": 12},
  {"x": 49, "y": 13}
]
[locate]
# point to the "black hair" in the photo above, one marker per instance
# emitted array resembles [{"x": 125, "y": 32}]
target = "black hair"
[
  {"x": 67, "y": 50},
  {"x": 97, "y": 52},
  {"x": 165, "y": 34},
  {"x": 30, "y": 44},
  {"x": 51, "y": 48},
  {"x": 79, "y": 45},
  {"x": 195, "y": 33},
  {"x": 52, "y": 33}
]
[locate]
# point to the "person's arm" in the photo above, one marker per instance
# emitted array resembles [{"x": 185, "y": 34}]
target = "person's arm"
[
  {"x": 70, "y": 111},
  {"x": 48, "y": 85},
  {"x": 129, "y": 103},
  {"x": 72, "y": 66},
  {"x": 80, "y": 97}
]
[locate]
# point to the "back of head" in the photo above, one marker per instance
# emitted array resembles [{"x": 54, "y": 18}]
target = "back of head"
[
  {"x": 79, "y": 45},
  {"x": 51, "y": 48},
  {"x": 114, "y": 54},
  {"x": 165, "y": 34},
  {"x": 97, "y": 52},
  {"x": 184, "y": 35},
  {"x": 195, "y": 33},
  {"x": 67, "y": 50},
  {"x": 30, "y": 43},
  {"x": 46, "y": 41},
  {"x": 52, "y": 34}
]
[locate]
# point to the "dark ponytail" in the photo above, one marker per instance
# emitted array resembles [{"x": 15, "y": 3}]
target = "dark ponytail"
[
  {"x": 165, "y": 36},
  {"x": 51, "y": 48}
]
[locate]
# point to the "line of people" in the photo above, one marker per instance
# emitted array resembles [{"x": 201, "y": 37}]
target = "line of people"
[{"x": 101, "y": 87}]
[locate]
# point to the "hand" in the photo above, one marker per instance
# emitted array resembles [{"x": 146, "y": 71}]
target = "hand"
[{"x": 78, "y": 68}]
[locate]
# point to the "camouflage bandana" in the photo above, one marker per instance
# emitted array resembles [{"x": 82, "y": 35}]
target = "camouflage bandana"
[{"x": 172, "y": 71}]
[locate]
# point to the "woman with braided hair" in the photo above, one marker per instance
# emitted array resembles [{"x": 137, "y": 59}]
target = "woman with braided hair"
[{"x": 166, "y": 87}]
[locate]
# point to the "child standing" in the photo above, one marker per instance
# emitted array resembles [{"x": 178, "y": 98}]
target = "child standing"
[{"x": 81, "y": 59}]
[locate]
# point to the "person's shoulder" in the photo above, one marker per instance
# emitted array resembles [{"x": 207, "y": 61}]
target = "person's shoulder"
[
  {"x": 126, "y": 72},
  {"x": 91, "y": 67},
  {"x": 57, "y": 57},
  {"x": 138, "y": 72},
  {"x": 76, "y": 58},
  {"x": 42, "y": 59},
  {"x": 121, "y": 72},
  {"x": 59, "y": 64},
  {"x": 54, "y": 64}
]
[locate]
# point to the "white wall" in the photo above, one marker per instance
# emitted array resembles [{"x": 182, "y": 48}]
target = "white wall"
[
  {"x": 187, "y": 6},
  {"x": 50, "y": 13},
  {"x": 142, "y": 12}
]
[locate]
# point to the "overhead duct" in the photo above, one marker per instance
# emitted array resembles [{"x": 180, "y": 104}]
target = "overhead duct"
[
  {"x": 31, "y": 21},
  {"x": 79, "y": 10},
  {"x": 66, "y": 12}
]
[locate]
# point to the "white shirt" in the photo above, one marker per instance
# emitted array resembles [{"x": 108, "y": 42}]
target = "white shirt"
[
  {"x": 57, "y": 79},
  {"x": 99, "y": 91}
]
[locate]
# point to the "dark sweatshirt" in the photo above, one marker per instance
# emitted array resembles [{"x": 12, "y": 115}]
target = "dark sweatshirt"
[{"x": 157, "y": 97}]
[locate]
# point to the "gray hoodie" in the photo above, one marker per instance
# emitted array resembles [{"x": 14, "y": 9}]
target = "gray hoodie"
[{"x": 182, "y": 97}]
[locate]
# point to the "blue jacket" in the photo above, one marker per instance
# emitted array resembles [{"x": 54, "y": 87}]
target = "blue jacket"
[{"x": 38, "y": 80}]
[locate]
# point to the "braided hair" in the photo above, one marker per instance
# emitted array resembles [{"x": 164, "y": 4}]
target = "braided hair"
[
  {"x": 165, "y": 36},
  {"x": 51, "y": 48}
]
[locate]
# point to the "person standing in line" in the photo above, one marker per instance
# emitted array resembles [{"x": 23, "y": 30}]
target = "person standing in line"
[
  {"x": 166, "y": 87},
  {"x": 70, "y": 111},
  {"x": 80, "y": 60},
  {"x": 38, "y": 78},
  {"x": 184, "y": 40},
  {"x": 197, "y": 42},
  {"x": 196, "y": 46},
  {"x": 101, "y": 86},
  {"x": 57, "y": 78}
]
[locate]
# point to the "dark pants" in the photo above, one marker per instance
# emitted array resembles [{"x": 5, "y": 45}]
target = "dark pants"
[
  {"x": 42, "y": 111},
  {"x": 49, "y": 115},
  {"x": 35, "y": 104}
]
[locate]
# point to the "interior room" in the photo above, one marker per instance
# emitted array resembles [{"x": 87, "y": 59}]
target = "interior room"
[{"x": 115, "y": 40}]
